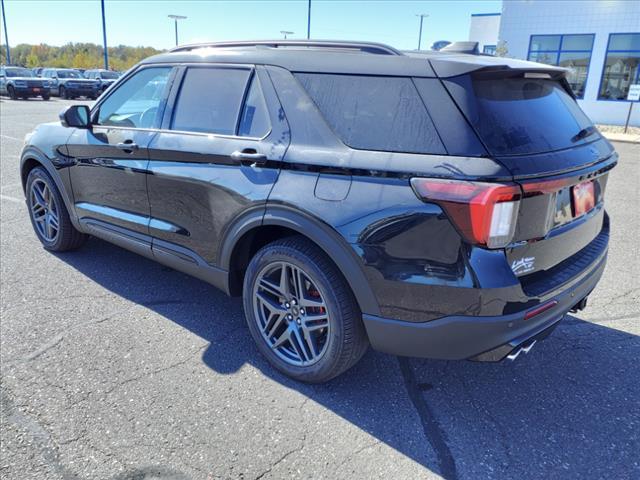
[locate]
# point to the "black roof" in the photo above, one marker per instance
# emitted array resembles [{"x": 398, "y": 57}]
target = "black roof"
[{"x": 343, "y": 57}]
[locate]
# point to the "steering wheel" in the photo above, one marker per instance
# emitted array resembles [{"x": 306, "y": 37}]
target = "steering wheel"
[{"x": 147, "y": 117}]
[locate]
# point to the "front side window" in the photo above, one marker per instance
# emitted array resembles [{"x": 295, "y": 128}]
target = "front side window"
[
  {"x": 374, "y": 113},
  {"x": 136, "y": 102},
  {"x": 568, "y": 51},
  {"x": 620, "y": 66},
  {"x": 209, "y": 100}
]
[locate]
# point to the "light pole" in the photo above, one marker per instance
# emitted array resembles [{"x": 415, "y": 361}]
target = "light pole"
[
  {"x": 104, "y": 38},
  {"x": 175, "y": 19},
  {"x": 286, "y": 32},
  {"x": 309, "y": 20},
  {"x": 6, "y": 35},
  {"x": 422, "y": 16}
]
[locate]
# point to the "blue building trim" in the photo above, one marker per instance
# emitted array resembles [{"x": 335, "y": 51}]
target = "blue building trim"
[
  {"x": 486, "y": 14},
  {"x": 604, "y": 64}
]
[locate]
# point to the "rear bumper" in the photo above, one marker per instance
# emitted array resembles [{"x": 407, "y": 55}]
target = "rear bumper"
[{"x": 486, "y": 338}]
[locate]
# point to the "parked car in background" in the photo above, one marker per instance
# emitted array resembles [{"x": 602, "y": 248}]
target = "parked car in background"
[
  {"x": 69, "y": 83},
  {"x": 19, "y": 82},
  {"x": 439, "y": 205},
  {"x": 37, "y": 71},
  {"x": 105, "y": 77}
]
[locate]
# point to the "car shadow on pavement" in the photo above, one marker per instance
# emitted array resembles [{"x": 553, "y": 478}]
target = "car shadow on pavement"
[{"x": 568, "y": 409}]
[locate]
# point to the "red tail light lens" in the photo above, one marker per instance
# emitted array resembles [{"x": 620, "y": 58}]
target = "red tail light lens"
[{"x": 485, "y": 213}]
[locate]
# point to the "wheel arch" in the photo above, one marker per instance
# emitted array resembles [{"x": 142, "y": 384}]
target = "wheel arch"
[
  {"x": 33, "y": 158},
  {"x": 256, "y": 229}
]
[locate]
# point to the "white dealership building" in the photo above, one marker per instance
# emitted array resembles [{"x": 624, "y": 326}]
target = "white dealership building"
[{"x": 599, "y": 41}]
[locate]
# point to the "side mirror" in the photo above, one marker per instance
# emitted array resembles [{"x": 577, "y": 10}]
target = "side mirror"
[{"x": 75, "y": 116}]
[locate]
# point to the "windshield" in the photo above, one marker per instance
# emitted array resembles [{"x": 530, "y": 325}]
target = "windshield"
[
  {"x": 109, "y": 75},
  {"x": 18, "y": 72},
  {"x": 517, "y": 116},
  {"x": 69, "y": 74}
]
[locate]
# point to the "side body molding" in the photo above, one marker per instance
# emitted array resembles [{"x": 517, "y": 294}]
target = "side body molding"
[{"x": 323, "y": 235}]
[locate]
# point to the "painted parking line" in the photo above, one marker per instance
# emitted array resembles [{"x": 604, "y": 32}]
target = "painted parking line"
[
  {"x": 11, "y": 138},
  {"x": 11, "y": 199}
]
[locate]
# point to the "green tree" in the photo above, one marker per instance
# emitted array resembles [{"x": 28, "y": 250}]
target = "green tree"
[
  {"x": 76, "y": 55},
  {"x": 32, "y": 61}
]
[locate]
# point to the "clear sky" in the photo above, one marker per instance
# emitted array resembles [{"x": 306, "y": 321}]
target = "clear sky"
[{"x": 145, "y": 22}]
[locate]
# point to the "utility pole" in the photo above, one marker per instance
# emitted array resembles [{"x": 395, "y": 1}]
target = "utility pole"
[
  {"x": 422, "y": 16},
  {"x": 6, "y": 35},
  {"x": 175, "y": 19},
  {"x": 104, "y": 38},
  {"x": 309, "y": 20},
  {"x": 286, "y": 32}
]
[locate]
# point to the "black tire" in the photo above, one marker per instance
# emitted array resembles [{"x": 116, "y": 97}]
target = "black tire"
[
  {"x": 46, "y": 97},
  {"x": 62, "y": 92},
  {"x": 346, "y": 340},
  {"x": 67, "y": 237},
  {"x": 12, "y": 92}
]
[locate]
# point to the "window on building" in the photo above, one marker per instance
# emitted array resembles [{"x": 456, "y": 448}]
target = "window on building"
[
  {"x": 620, "y": 66},
  {"x": 489, "y": 49},
  {"x": 568, "y": 51}
]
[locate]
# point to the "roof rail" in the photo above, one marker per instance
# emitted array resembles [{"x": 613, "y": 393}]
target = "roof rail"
[{"x": 368, "y": 47}]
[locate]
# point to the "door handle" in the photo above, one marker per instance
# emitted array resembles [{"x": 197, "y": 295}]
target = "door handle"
[
  {"x": 249, "y": 155},
  {"x": 127, "y": 146}
]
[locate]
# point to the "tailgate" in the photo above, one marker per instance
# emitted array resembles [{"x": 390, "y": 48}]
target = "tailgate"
[{"x": 557, "y": 218}]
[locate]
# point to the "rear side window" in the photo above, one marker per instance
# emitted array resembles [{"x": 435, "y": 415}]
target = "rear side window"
[
  {"x": 255, "y": 117},
  {"x": 518, "y": 116},
  {"x": 374, "y": 113},
  {"x": 209, "y": 100}
]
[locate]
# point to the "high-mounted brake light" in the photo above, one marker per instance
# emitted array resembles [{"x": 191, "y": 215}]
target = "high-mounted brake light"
[{"x": 485, "y": 213}]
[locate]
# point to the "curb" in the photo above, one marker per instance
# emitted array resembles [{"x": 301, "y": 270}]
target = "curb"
[{"x": 621, "y": 137}]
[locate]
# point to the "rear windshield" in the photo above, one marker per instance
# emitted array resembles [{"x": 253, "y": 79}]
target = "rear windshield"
[
  {"x": 517, "y": 116},
  {"x": 374, "y": 113}
]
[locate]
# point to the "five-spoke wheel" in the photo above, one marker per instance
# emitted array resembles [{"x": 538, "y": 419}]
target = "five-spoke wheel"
[
  {"x": 49, "y": 214},
  {"x": 301, "y": 311},
  {"x": 292, "y": 315},
  {"x": 44, "y": 210}
]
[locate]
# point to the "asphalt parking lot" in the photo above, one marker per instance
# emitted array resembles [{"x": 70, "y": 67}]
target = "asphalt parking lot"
[{"x": 114, "y": 367}]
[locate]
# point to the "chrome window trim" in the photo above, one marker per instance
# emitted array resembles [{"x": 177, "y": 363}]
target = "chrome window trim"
[{"x": 182, "y": 132}]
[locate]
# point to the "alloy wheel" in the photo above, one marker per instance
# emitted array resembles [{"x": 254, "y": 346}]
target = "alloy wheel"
[
  {"x": 44, "y": 210},
  {"x": 291, "y": 313}
]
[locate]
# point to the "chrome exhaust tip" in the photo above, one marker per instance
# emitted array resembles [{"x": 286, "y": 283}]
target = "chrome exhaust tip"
[{"x": 514, "y": 354}]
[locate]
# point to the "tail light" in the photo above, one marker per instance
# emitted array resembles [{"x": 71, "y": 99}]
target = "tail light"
[{"x": 484, "y": 213}]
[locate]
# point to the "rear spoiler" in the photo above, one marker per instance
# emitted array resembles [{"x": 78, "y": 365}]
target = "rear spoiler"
[
  {"x": 502, "y": 68},
  {"x": 453, "y": 65}
]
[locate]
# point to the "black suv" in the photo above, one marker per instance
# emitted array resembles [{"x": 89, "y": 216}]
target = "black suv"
[{"x": 438, "y": 205}]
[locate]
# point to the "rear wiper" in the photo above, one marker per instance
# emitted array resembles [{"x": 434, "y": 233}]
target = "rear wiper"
[{"x": 584, "y": 133}]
